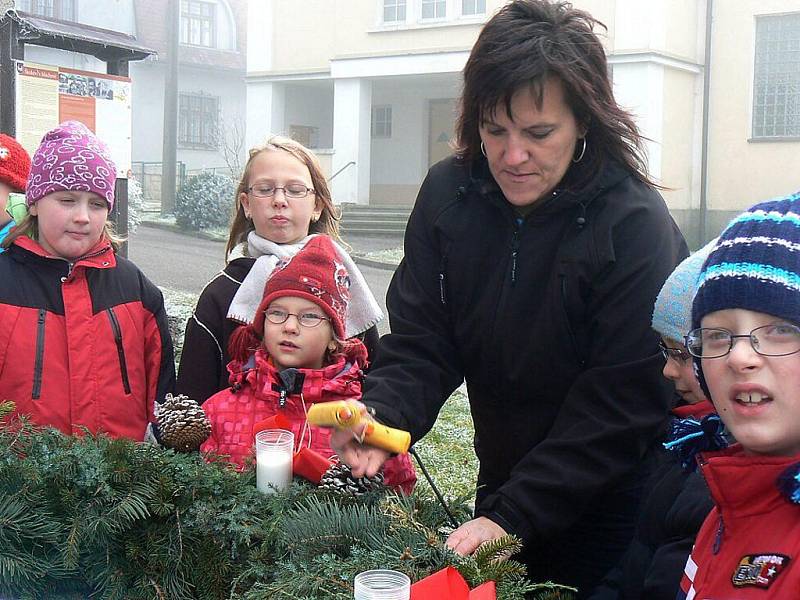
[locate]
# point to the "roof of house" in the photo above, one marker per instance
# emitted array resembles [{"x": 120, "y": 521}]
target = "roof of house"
[{"x": 104, "y": 44}]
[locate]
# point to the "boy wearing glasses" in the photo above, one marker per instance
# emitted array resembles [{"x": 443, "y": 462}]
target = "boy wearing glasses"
[
  {"x": 294, "y": 354},
  {"x": 746, "y": 347}
]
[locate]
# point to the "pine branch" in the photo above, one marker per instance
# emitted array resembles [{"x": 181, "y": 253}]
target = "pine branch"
[{"x": 90, "y": 516}]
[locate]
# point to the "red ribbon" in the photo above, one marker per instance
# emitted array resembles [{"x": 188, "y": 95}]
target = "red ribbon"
[{"x": 448, "y": 584}]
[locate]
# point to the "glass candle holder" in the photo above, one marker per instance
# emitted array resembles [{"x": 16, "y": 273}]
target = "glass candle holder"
[
  {"x": 382, "y": 584},
  {"x": 274, "y": 453}
]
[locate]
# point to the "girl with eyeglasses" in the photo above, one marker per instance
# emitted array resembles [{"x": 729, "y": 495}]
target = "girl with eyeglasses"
[
  {"x": 293, "y": 355},
  {"x": 282, "y": 202},
  {"x": 746, "y": 345}
]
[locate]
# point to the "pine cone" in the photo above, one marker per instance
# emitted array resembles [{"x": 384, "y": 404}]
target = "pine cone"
[
  {"x": 339, "y": 478},
  {"x": 182, "y": 423}
]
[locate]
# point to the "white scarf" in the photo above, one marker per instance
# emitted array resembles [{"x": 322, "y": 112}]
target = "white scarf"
[{"x": 362, "y": 313}]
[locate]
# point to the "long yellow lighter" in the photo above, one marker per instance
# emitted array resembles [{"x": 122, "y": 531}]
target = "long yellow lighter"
[{"x": 345, "y": 414}]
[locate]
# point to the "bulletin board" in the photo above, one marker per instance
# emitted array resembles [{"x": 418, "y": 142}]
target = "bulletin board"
[{"x": 47, "y": 96}]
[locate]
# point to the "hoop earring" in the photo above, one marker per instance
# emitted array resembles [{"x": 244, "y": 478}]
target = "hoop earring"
[
  {"x": 483, "y": 148},
  {"x": 583, "y": 151}
]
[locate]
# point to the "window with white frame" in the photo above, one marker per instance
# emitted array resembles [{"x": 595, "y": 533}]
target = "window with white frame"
[
  {"x": 776, "y": 89},
  {"x": 394, "y": 11},
  {"x": 58, "y": 9},
  {"x": 381, "y": 121},
  {"x": 198, "y": 121},
  {"x": 198, "y": 23},
  {"x": 473, "y": 7},
  {"x": 434, "y": 9}
]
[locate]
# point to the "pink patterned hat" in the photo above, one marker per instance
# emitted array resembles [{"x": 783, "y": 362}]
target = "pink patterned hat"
[{"x": 72, "y": 158}]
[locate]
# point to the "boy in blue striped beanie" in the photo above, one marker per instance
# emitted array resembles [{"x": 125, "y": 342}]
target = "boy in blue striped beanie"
[{"x": 746, "y": 347}]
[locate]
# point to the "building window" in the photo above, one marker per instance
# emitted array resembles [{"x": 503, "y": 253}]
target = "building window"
[
  {"x": 57, "y": 9},
  {"x": 434, "y": 9},
  {"x": 305, "y": 134},
  {"x": 394, "y": 11},
  {"x": 198, "y": 23},
  {"x": 776, "y": 90},
  {"x": 198, "y": 121},
  {"x": 473, "y": 7},
  {"x": 381, "y": 121}
]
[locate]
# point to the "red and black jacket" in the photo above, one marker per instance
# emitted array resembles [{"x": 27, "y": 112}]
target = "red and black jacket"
[{"x": 83, "y": 344}]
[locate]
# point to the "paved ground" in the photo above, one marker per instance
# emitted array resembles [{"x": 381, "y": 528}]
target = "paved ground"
[{"x": 186, "y": 263}]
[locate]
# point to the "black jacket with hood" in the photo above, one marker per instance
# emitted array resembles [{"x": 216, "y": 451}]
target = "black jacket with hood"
[{"x": 547, "y": 318}]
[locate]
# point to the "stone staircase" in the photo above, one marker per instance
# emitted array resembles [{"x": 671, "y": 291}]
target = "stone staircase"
[{"x": 374, "y": 220}]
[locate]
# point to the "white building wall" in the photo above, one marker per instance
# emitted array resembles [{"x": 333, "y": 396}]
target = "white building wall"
[
  {"x": 148, "y": 108},
  {"x": 311, "y": 106},
  {"x": 117, "y": 15},
  {"x": 351, "y": 140}
]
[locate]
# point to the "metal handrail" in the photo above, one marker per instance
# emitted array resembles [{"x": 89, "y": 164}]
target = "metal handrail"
[{"x": 352, "y": 162}]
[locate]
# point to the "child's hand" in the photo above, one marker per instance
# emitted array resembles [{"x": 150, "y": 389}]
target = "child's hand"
[{"x": 363, "y": 460}]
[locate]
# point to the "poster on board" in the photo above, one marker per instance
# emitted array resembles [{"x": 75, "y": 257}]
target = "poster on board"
[{"x": 47, "y": 96}]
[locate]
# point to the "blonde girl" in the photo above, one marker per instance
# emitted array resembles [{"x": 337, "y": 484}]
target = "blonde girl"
[{"x": 282, "y": 201}]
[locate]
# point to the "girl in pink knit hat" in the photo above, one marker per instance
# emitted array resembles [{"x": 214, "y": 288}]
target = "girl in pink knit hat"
[{"x": 84, "y": 343}]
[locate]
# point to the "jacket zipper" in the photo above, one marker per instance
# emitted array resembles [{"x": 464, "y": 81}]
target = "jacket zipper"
[
  {"x": 39, "y": 364},
  {"x": 123, "y": 367},
  {"x": 573, "y": 341},
  {"x": 718, "y": 537},
  {"x": 514, "y": 251},
  {"x": 442, "y": 269}
]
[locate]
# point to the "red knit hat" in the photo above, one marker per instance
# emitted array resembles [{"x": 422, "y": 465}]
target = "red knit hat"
[
  {"x": 15, "y": 164},
  {"x": 316, "y": 274}
]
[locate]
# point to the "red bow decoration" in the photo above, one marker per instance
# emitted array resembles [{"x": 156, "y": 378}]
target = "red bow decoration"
[
  {"x": 448, "y": 584},
  {"x": 307, "y": 463}
]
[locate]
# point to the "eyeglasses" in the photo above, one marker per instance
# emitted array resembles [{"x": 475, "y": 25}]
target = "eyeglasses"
[
  {"x": 292, "y": 190},
  {"x": 278, "y": 317},
  {"x": 778, "y": 339},
  {"x": 678, "y": 354}
]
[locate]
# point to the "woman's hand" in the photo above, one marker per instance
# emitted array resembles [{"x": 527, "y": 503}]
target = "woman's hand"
[
  {"x": 363, "y": 459},
  {"x": 466, "y": 539}
]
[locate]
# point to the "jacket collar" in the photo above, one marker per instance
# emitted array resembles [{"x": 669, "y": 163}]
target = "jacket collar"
[
  {"x": 101, "y": 256},
  {"x": 261, "y": 374},
  {"x": 744, "y": 485},
  {"x": 694, "y": 411},
  {"x": 566, "y": 197}
]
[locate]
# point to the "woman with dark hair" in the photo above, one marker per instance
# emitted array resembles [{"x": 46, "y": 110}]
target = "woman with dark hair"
[{"x": 532, "y": 261}]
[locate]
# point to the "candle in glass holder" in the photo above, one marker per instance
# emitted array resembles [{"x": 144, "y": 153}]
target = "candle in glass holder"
[
  {"x": 274, "y": 452},
  {"x": 382, "y": 584}
]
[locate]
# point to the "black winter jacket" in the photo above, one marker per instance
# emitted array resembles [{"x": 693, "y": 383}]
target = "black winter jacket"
[
  {"x": 547, "y": 318},
  {"x": 677, "y": 503}
]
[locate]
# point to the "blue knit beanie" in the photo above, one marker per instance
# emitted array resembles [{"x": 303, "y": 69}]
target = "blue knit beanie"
[
  {"x": 755, "y": 265},
  {"x": 672, "y": 313}
]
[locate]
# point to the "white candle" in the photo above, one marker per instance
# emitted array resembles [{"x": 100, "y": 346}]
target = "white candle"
[
  {"x": 274, "y": 454},
  {"x": 273, "y": 471}
]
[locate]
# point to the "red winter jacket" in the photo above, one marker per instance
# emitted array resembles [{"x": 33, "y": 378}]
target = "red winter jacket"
[
  {"x": 749, "y": 545},
  {"x": 255, "y": 395},
  {"x": 83, "y": 344}
]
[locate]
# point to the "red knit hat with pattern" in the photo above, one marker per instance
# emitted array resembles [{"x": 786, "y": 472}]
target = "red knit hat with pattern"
[
  {"x": 315, "y": 273},
  {"x": 15, "y": 164}
]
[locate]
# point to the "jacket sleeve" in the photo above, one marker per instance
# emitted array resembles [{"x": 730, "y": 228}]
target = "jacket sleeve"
[
  {"x": 417, "y": 365},
  {"x": 617, "y": 404},
  {"x": 202, "y": 358},
  {"x": 159, "y": 352}
]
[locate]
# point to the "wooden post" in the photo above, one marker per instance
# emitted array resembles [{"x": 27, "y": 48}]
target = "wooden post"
[
  {"x": 169, "y": 152},
  {"x": 11, "y": 49},
  {"x": 119, "y": 215}
]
